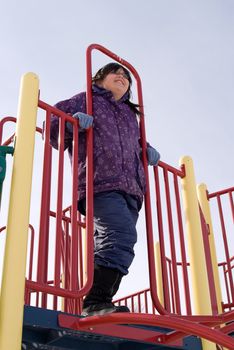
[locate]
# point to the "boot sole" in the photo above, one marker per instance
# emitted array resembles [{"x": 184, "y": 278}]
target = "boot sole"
[{"x": 102, "y": 312}]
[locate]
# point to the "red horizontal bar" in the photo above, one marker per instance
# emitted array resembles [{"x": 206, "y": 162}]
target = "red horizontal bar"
[
  {"x": 66, "y": 218},
  {"x": 225, "y": 263},
  {"x": 2, "y": 228},
  {"x": 228, "y": 305},
  {"x": 227, "y": 329},
  {"x": 218, "y": 193},
  {"x": 57, "y": 112},
  {"x": 179, "y": 172},
  {"x": 39, "y": 287},
  {"x": 133, "y": 295}
]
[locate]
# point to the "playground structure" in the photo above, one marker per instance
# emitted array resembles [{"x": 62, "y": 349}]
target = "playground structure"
[{"x": 189, "y": 303}]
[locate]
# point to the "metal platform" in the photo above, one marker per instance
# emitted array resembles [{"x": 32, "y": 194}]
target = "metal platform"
[{"x": 42, "y": 330}]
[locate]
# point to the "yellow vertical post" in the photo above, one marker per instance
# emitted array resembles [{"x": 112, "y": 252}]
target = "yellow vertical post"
[
  {"x": 13, "y": 279},
  {"x": 200, "y": 286},
  {"x": 204, "y": 203},
  {"x": 159, "y": 272}
]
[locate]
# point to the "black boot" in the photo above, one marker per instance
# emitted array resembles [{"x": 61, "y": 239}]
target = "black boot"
[
  {"x": 115, "y": 288},
  {"x": 98, "y": 301}
]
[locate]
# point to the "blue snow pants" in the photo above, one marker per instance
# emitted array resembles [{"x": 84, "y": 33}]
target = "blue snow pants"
[{"x": 115, "y": 218}]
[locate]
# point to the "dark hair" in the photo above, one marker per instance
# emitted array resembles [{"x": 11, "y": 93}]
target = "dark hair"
[{"x": 113, "y": 67}]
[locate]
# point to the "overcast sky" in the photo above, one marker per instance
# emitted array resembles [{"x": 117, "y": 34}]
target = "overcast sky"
[{"x": 182, "y": 49}]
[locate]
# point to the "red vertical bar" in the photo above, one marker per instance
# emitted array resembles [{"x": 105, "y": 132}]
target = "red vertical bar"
[
  {"x": 125, "y": 302},
  {"x": 63, "y": 248},
  {"x": 209, "y": 267},
  {"x": 172, "y": 289},
  {"x": 42, "y": 263},
  {"x": 162, "y": 240},
  {"x": 57, "y": 268},
  {"x": 173, "y": 265},
  {"x": 44, "y": 295},
  {"x": 66, "y": 263},
  {"x": 27, "y": 295},
  {"x": 69, "y": 253},
  {"x": 226, "y": 285},
  {"x": 147, "y": 201},
  {"x": 80, "y": 240},
  {"x": 231, "y": 204},
  {"x": 74, "y": 233},
  {"x": 182, "y": 249},
  {"x": 63, "y": 255},
  {"x": 146, "y": 302},
  {"x": 226, "y": 247},
  {"x": 139, "y": 302},
  {"x": 2, "y": 122},
  {"x": 132, "y": 304},
  {"x": 37, "y": 299},
  {"x": 89, "y": 173},
  {"x": 1, "y": 131},
  {"x": 31, "y": 252},
  {"x": 79, "y": 306}
]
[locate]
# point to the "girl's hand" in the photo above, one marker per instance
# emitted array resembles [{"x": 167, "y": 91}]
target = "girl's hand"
[
  {"x": 85, "y": 120},
  {"x": 152, "y": 155}
]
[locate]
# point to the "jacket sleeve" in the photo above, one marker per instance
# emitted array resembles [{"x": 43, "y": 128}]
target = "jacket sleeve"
[{"x": 72, "y": 105}]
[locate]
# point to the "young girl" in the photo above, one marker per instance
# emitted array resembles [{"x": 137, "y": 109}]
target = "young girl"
[{"x": 119, "y": 181}]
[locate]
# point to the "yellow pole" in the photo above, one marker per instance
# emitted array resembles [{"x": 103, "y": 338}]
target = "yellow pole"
[
  {"x": 159, "y": 272},
  {"x": 13, "y": 280},
  {"x": 202, "y": 304},
  {"x": 203, "y": 200}
]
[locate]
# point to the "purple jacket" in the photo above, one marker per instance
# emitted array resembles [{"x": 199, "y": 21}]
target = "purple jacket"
[{"x": 116, "y": 151}]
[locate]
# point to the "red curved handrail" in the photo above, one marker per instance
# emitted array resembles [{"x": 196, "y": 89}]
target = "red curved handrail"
[
  {"x": 148, "y": 215},
  {"x": 176, "y": 323}
]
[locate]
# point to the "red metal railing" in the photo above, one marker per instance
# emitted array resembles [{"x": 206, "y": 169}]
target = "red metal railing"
[
  {"x": 171, "y": 232},
  {"x": 174, "y": 264},
  {"x": 172, "y": 295},
  {"x": 223, "y": 205},
  {"x": 31, "y": 257},
  {"x": 67, "y": 247},
  {"x": 68, "y": 254},
  {"x": 139, "y": 302}
]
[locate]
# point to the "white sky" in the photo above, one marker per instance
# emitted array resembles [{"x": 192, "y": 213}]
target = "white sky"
[{"x": 182, "y": 49}]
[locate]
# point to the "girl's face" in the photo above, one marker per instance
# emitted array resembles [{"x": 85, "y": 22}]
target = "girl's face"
[{"x": 116, "y": 82}]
